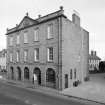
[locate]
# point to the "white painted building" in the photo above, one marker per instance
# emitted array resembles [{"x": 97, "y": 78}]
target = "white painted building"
[
  {"x": 94, "y": 61},
  {"x": 3, "y": 59}
]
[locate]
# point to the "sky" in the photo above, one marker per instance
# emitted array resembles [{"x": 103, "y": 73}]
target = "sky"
[{"x": 91, "y": 12}]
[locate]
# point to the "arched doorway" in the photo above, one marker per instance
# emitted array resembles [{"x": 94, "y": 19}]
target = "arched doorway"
[
  {"x": 19, "y": 73},
  {"x": 26, "y": 73},
  {"x": 50, "y": 78},
  {"x": 38, "y": 74},
  {"x": 12, "y": 72}
]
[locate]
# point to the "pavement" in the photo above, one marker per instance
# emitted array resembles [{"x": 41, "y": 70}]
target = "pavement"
[{"x": 93, "y": 90}]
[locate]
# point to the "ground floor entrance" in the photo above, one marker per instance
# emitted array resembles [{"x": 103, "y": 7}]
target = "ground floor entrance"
[
  {"x": 37, "y": 72},
  {"x": 45, "y": 76}
]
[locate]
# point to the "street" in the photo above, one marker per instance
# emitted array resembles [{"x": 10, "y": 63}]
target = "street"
[
  {"x": 6, "y": 100},
  {"x": 10, "y": 94}
]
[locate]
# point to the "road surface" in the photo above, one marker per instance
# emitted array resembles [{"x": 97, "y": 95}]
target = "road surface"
[
  {"x": 6, "y": 100},
  {"x": 10, "y": 94}
]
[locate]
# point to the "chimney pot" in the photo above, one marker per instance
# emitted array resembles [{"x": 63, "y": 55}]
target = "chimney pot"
[
  {"x": 27, "y": 14},
  {"x": 95, "y": 53},
  {"x": 61, "y": 7},
  {"x": 92, "y": 53},
  {"x": 16, "y": 25},
  {"x": 39, "y": 16},
  {"x": 76, "y": 18}
]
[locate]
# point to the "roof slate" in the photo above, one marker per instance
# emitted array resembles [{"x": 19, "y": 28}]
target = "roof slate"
[{"x": 94, "y": 57}]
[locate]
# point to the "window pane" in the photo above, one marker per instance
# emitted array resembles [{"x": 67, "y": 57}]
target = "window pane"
[
  {"x": 11, "y": 41},
  {"x": 17, "y": 56},
  {"x": 50, "y": 31},
  {"x": 75, "y": 73},
  {"x": 18, "y": 39},
  {"x": 50, "y": 76},
  {"x": 36, "y": 34},
  {"x": 25, "y": 37},
  {"x": 11, "y": 57},
  {"x": 25, "y": 55},
  {"x": 50, "y": 54},
  {"x": 71, "y": 74},
  {"x": 36, "y": 54}
]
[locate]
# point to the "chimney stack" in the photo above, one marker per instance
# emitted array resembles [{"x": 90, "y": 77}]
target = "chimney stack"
[
  {"x": 39, "y": 16},
  {"x": 27, "y": 14},
  {"x": 16, "y": 25},
  {"x": 76, "y": 18},
  {"x": 91, "y": 53},
  {"x": 95, "y": 53},
  {"x": 61, "y": 7}
]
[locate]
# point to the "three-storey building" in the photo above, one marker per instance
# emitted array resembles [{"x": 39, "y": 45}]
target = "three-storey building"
[
  {"x": 3, "y": 54},
  {"x": 94, "y": 61},
  {"x": 52, "y": 47}
]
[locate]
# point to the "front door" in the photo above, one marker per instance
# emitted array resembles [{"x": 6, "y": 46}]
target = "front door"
[{"x": 66, "y": 80}]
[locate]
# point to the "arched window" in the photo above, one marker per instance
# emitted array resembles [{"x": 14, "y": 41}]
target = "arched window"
[
  {"x": 50, "y": 75},
  {"x": 19, "y": 73},
  {"x": 26, "y": 73},
  {"x": 12, "y": 72},
  {"x": 38, "y": 74}
]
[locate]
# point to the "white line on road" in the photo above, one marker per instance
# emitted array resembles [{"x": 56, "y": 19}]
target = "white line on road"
[{"x": 27, "y": 101}]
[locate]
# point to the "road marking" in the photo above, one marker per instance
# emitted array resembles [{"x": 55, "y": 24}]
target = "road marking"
[{"x": 27, "y": 101}]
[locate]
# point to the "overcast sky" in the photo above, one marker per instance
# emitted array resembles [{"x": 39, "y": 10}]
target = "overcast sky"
[{"x": 92, "y": 13}]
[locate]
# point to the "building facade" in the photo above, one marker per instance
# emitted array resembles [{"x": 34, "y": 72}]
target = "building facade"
[
  {"x": 3, "y": 54},
  {"x": 52, "y": 47},
  {"x": 94, "y": 61}
]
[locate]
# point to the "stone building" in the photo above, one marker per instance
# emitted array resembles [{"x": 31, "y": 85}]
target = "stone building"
[
  {"x": 52, "y": 47},
  {"x": 3, "y": 54},
  {"x": 94, "y": 61}
]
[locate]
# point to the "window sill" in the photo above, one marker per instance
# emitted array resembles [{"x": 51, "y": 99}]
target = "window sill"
[
  {"x": 17, "y": 61},
  {"x": 36, "y": 61},
  {"x": 11, "y": 62},
  {"x": 25, "y": 61},
  {"x": 36, "y": 41},
  {"x": 49, "y": 38},
  {"x": 25, "y": 43},
  {"x": 50, "y": 61},
  {"x": 17, "y": 44},
  {"x": 10, "y": 45}
]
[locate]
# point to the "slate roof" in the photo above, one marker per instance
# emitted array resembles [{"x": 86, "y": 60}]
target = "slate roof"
[{"x": 94, "y": 57}]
